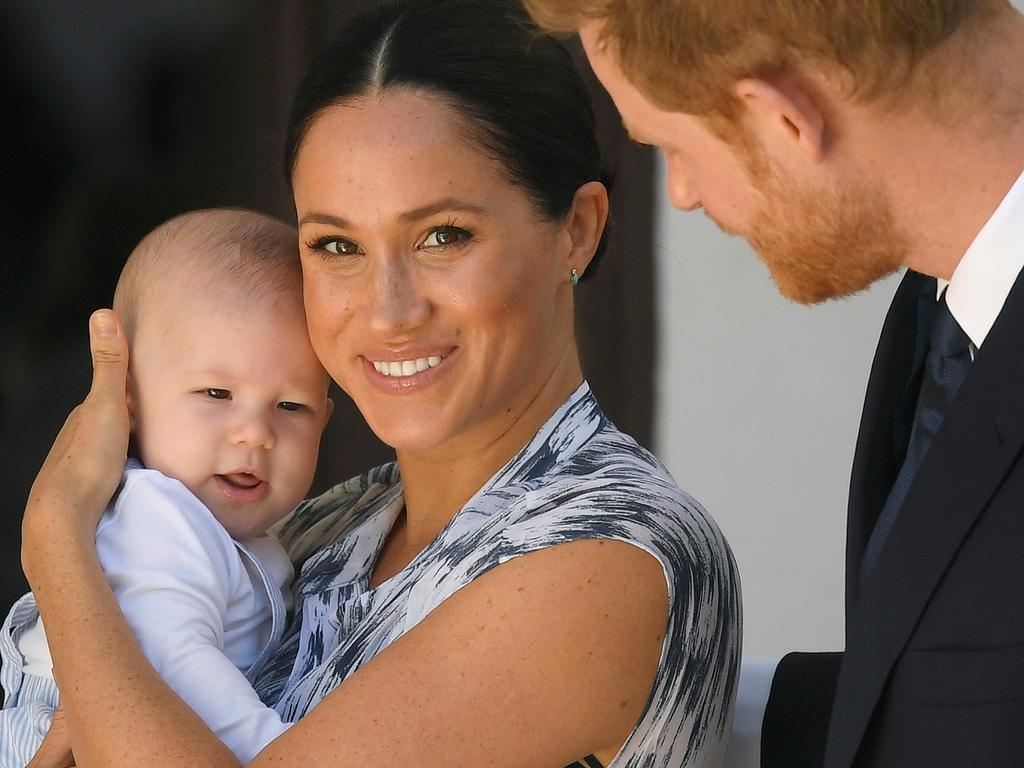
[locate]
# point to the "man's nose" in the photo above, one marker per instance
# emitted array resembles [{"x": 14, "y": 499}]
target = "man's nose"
[{"x": 682, "y": 193}]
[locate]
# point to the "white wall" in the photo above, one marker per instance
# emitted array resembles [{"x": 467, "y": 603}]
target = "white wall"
[{"x": 758, "y": 405}]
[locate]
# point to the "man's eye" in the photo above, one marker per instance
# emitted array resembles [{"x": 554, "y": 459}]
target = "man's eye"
[
  {"x": 217, "y": 394},
  {"x": 287, "y": 405},
  {"x": 446, "y": 236}
]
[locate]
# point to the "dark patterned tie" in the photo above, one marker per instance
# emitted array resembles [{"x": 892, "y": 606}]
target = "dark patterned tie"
[{"x": 946, "y": 366}]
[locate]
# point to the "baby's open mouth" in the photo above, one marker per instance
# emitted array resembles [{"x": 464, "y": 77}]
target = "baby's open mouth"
[
  {"x": 241, "y": 479},
  {"x": 243, "y": 487}
]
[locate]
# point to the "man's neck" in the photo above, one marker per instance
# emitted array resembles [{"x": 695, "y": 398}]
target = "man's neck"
[{"x": 946, "y": 175}]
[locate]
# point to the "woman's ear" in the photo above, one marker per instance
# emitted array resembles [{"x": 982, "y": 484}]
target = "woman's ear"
[
  {"x": 785, "y": 115},
  {"x": 585, "y": 225}
]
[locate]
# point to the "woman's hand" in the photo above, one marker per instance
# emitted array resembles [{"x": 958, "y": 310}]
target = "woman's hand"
[
  {"x": 55, "y": 751},
  {"x": 141, "y": 720},
  {"x": 82, "y": 471}
]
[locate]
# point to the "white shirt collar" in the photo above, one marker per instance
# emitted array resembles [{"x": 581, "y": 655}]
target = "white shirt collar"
[{"x": 989, "y": 268}]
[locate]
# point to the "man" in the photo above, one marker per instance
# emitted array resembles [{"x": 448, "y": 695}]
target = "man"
[{"x": 845, "y": 140}]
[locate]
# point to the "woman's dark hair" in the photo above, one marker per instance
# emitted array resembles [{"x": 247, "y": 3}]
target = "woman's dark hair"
[{"x": 516, "y": 89}]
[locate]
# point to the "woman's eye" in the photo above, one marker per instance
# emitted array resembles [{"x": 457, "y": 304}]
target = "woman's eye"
[
  {"x": 341, "y": 247},
  {"x": 217, "y": 394},
  {"x": 443, "y": 237},
  {"x": 334, "y": 246},
  {"x": 287, "y": 405}
]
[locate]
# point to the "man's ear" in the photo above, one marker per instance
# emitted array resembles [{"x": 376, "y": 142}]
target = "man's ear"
[
  {"x": 585, "y": 224},
  {"x": 785, "y": 115}
]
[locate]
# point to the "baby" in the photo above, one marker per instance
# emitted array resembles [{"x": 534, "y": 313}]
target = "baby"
[{"x": 228, "y": 403}]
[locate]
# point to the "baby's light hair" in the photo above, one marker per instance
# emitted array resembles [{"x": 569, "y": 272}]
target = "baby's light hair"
[{"x": 214, "y": 254}]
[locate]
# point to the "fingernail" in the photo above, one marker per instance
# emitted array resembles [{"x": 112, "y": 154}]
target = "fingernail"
[{"x": 104, "y": 324}]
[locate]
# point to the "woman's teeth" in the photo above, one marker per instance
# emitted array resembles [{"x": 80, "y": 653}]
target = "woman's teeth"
[{"x": 407, "y": 367}]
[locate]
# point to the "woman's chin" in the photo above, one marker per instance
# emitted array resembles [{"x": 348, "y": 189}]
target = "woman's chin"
[{"x": 407, "y": 436}]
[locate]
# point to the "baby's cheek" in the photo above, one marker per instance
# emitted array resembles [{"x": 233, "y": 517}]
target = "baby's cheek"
[{"x": 302, "y": 461}]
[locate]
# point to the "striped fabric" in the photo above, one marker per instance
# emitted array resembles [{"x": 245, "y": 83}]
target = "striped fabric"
[
  {"x": 578, "y": 478},
  {"x": 29, "y": 700},
  {"x": 587, "y": 762}
]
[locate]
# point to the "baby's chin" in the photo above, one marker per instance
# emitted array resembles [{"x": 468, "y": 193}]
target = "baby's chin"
[
  {"x": 245, "y": 521},
  {"x": 240, "y": 531}
]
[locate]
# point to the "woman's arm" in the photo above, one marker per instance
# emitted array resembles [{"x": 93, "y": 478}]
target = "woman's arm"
[
  {"x": 119, "y": 711},
  {"x": 538, "y": 662},
  {"x": 542, "y": 660}
]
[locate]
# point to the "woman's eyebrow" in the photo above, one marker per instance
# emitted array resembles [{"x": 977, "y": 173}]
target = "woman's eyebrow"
[
  {"x": 323, "y": 218},
  {"x": 448, "y": 204}
]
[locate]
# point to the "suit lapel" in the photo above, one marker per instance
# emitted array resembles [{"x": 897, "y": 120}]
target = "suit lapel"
[
  {"x": 882, "y": 439},
  {"x": 979, "y": 441}
]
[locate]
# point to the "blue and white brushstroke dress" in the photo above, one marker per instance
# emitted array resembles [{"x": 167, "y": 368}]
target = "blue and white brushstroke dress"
[{"x": 578, "y": 478}]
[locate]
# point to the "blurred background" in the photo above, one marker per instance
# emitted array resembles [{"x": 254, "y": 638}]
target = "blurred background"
[{"x": 121, "y": 114}]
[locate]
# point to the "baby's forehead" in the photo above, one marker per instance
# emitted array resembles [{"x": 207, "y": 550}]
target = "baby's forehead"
[
  {"x": 229, "y": 331},
  {"x": 214, "y": 300}
]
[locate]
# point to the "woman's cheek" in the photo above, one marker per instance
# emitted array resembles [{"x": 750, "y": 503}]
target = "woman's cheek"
[{"x": 328, "y": 316}]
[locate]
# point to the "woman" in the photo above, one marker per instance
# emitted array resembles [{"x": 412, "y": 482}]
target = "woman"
[{"x": 526, "y": 586}]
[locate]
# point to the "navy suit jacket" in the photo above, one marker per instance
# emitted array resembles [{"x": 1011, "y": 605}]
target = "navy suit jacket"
[{"x": 933, "y": 672}]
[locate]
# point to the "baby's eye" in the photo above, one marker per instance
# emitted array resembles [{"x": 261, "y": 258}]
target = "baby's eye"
[
  {"x": 443, "y": 237},
  {"x": 287, "y": 405},
  {"x": 217, "y": 394}
]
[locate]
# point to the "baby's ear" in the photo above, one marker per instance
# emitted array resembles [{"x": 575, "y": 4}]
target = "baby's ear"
[{"x": 131, "y": 400}]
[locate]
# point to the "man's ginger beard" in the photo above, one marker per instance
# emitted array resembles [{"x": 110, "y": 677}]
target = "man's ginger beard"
[{"x": 820, "y": 244}]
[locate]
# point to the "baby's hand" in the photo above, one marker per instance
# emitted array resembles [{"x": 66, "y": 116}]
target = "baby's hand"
[
  {"x": 84, "y": 466},
  {"x": 55, "y": 751}
]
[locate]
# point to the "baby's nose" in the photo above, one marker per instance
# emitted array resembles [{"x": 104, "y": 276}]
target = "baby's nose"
[{"x": 254, "y": 431}]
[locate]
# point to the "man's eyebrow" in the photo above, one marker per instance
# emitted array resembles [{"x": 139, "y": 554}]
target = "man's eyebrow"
[{"x": 447, "y": 204}]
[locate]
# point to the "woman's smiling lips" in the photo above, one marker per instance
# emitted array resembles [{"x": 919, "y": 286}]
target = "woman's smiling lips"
[
  {"x": 406, "y": 370},
  {"x": 242, "y": 487}
]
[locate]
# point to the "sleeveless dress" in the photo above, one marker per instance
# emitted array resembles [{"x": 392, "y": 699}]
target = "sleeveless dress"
[{"x": 578, "y": 478}]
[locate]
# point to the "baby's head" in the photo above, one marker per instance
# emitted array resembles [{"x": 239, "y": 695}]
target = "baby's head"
[{"x": 225, "y": 392}]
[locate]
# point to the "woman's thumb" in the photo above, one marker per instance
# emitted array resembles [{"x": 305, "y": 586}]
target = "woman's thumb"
[{"x": 109, "y": 356}]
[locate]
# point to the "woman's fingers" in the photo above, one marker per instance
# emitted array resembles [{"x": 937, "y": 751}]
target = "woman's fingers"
[{"x": 55, "y": 751}]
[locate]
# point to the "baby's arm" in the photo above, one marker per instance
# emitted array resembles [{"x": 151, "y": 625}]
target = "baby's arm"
[{"x": 173, "y": 570}]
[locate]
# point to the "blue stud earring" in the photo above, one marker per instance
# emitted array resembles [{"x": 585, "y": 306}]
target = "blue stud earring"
[{"x": 574, "y": 277}]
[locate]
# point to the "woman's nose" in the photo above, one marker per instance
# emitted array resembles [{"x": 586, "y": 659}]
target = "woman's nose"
[
  {"x": 253, "y": 430},
  {"x": 397, "y": 304}
]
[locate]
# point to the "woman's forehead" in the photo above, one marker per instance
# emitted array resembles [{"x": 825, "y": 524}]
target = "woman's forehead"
[
  {"x": 401, "y": 151},
  {"x": 394, "y": 127}
]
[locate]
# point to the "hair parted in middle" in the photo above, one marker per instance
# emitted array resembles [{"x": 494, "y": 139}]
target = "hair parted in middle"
[
  {"x": 686, "y": 55},
  {"x": 516, "y": 90}
]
